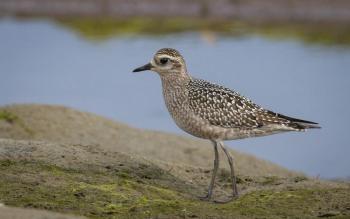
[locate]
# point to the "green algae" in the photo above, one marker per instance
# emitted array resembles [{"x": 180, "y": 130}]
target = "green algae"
[
  {"x": 108, "y": 194},
  {"x": 102, "y": 28},
  {"x": 8, "y": 116},
  {"x": 314, "y": 33},
  {"x": 106, "y": 27},
  {"x": 13, "y": 119},
  {"x": 94, "y": 194},
  {"x": 270, "y": 180}
]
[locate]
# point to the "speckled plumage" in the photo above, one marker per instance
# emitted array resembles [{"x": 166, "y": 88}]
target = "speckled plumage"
[
  {"x": 225, "y": 108},
  {"x": 213, "y": 112},
  {"x": 210, "y": 111}
]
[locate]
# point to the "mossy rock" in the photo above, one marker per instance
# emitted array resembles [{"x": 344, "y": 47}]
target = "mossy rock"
[
  {"x": 8, "y": 116},
  {"x": 130, "y": 173},
  {"x": 104, "y": 194}
]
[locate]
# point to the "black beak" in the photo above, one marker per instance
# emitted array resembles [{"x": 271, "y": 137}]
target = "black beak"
[{"x": 143, "y": 68}]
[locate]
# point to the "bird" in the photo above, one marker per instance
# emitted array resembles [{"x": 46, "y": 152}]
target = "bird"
[{"x": 210, "y": 111}]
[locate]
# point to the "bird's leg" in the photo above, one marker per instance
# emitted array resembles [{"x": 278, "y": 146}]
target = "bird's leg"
[
  {"x": 215, "y": 170},
  {"x": 233, "y": 176}
]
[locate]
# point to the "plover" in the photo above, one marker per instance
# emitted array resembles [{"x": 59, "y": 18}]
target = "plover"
[{"x": 210, "y": 111}]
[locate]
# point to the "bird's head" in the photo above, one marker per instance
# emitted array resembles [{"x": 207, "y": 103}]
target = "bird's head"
[{"x": 166, "y": 61}]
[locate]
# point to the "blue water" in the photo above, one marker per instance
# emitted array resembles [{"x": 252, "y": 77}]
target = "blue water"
[{"x": 41, "y": 62}]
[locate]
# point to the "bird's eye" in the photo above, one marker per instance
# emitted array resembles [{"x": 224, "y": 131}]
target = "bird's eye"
[{"x": 163, "y": 60}]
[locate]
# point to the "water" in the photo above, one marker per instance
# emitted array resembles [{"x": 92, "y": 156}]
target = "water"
[{"x": 41, "y": 62}]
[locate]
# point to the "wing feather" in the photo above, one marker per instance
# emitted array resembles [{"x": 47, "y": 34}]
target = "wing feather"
[{"x": 223, "y": 107}]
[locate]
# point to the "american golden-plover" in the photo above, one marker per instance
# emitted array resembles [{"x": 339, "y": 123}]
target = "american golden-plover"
[{"x": 213, "y": 112}]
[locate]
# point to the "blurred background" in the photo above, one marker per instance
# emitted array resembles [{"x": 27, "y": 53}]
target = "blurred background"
[{"x": 290, "y": 56}]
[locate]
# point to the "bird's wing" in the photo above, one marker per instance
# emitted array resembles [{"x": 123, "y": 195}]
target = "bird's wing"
[{"x": 223, "y": 107}]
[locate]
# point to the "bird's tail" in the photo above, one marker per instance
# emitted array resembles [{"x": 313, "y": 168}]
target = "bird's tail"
[{"x": 299, "y": 123}]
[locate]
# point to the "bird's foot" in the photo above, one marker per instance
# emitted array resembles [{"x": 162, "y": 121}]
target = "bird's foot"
[
  {"x": 231, "y": 198},
  {"x": 207, "y": 197}
]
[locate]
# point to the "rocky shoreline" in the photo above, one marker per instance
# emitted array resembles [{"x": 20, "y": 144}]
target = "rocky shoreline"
[{"x": 58, "y": 159}]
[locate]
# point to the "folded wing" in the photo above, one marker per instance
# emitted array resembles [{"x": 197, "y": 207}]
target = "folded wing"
[{"x": 225, "y": 108}]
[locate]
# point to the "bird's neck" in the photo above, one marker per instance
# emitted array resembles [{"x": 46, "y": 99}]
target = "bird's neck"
[
  {"x": 175, "y": 81},
  {"x": 175, "y": 94}
]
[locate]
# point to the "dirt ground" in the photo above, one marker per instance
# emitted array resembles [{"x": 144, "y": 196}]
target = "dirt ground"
[{"x": 59, "y": 159}]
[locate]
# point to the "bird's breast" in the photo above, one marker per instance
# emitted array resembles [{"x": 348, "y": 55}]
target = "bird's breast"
[{"x": 177, "y": 103}]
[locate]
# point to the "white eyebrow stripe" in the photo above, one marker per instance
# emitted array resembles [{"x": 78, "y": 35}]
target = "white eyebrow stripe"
[
  {"x": 165, "y": 56},
  {"x": 177, "y": 59}
]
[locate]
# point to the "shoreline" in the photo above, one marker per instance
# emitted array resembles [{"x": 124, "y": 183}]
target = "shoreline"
[{"x": 317, "y": 11}]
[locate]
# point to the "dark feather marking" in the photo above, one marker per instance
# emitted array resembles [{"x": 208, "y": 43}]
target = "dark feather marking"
[
  {"x": 293, "y": 119},
  {"x": 223, "y": 107}
]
